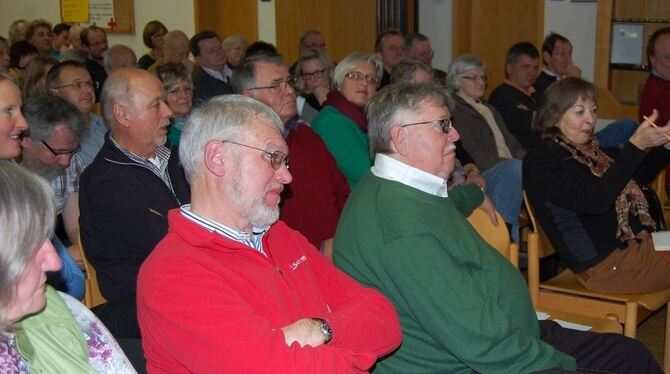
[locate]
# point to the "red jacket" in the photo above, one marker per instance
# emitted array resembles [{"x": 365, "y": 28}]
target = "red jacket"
[
  {"x": 209, "y": 304},
  {"x": 313, "y": 201}
]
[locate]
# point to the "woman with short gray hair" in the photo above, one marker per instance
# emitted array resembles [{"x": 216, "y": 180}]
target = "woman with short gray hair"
[
  {"x": 485, "y": 137},
  {"x": 42, "y": 330},
  {"x": 178, "y": 87},
  {"x": 342, "y": 124}
]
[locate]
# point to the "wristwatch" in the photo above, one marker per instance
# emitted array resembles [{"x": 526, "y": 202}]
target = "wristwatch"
[{"x": 325, "y": 329}]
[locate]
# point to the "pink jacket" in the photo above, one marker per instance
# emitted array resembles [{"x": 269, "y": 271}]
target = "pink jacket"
[{"x": 209, "y": 304}]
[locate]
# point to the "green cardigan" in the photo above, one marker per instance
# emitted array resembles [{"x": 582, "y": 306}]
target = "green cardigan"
[
  {"x": 462, "y": 306},
  {"x": 346, "y": 142}
]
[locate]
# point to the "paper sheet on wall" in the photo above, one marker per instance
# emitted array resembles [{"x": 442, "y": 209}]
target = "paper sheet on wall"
[
  {"x": 101, "y": 12},
  {"x": 74, "y": 11}
]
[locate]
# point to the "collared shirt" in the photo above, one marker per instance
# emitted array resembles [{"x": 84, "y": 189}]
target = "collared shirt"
[
  {"x": 551, "y": 73},
  {"x": 389, "y": 168},
  {"x": 216, "y": 74},
  {"x": 94, "y": 139},
  {"x": 157, "y": 164},
  {"x": 255, "y": 240},
  {"x": 527, "y": 91},
  {"x": 67, "y": 181}
]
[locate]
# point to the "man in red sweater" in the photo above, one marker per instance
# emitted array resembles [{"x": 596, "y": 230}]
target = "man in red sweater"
[
  {"x": 656, "y": 93},
  {"x": 313, "y": 202},
  {"x": 230, "y": 288}
]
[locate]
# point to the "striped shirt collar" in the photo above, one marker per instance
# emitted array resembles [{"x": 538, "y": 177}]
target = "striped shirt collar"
[
  {"x": 389, "y": 168},
  {"x": 158, "y": 165},
  {"x": 253, "y": 240}
]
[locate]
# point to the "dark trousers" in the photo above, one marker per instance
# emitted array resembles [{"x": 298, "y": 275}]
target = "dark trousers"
[
  {"x": 599, "y": 353},
  {"x": 120, "y": 317}
]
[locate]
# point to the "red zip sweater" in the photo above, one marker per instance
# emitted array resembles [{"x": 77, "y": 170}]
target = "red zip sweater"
[{"x": 209, "y": 304}]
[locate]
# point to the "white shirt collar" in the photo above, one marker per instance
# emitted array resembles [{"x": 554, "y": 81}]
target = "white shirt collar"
[
  {"x": 389, "y": 168},
  {"x": 551, "y": 73},
  {"x": 216, "y": 74}
]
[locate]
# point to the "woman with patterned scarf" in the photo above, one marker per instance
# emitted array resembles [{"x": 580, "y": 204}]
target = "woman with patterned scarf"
[{"x": 588, "y": 200}]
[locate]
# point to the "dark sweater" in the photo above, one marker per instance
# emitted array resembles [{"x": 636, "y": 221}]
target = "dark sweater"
[
  {"x": 576, "y": 208},
  {"x": 123, "y": 215},
  {"x": 543, "y": 82},
  {"x": 516, "y": 108},
  {"x": 206, "y": 87}
]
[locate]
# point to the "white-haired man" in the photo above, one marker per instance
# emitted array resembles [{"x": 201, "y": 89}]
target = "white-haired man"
[
  {"x": 462, "y": 306},
  {"x": 249, "y": 292}
]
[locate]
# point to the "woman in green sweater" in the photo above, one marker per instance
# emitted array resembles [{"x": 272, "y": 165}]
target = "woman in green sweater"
[{"x": 342, "y": 124}]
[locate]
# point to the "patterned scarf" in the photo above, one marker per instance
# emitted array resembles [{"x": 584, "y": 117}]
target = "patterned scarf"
[{"x": 631, "y": 200}]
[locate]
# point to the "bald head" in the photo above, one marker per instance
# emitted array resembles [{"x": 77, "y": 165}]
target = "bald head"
[{"x": 134, "y": 107}]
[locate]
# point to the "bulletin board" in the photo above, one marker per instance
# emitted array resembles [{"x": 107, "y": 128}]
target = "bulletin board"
[{"x": 114, "y": 16}]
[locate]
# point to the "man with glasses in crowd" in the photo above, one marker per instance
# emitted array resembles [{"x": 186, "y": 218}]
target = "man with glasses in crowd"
[
  {"x": 51, "y": 150},
  {"x": 462, "y": 306},
  {"x": 127, "y": 191},
  {"x": 71, "y": 81},
  {"x": 313, "y": 202},
  {"x": 230, "y": 288},
  {"x": 208, "y": 79},
  {"x": 95, "y": 40}
]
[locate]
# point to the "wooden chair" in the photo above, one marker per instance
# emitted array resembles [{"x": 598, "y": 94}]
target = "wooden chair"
[
  {"x": 93, "y": 296},
  {"x": 566, "y": 294},
  {"x": 498, "y": 238}
]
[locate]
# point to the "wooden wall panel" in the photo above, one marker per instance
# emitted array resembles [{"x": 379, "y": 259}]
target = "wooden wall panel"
[
  {"x": 347, "y": 25},
  {"x": 227, "y": 17},
  {"x": 488, "y": 28}
]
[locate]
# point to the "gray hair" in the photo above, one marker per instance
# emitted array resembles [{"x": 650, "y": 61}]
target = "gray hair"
[
  {"x": 244, "y": 75},
  {"x": 172, "y": 39},
  {"x": 221, "y": 118},
  {"x": 394, "y": 101},
  {"x": 232, "y": 41},
  {"x": 308, "y": 55},
  {"x": 44, "y": 111},
  {"x": 350, "y": 62},
  {"x": 115, "y": 91},
  {"x": 27, "y": 218},
  {"x": 172, "y": 73},
  {"x": 407, "y": 66},
  {"x": 459, "y": 67},
  {"x": 14, "y": 35},
  {"x": 108, "y": 56}
]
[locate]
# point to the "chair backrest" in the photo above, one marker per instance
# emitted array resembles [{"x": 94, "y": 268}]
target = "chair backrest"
[
  {"x": 93, "y": 296},
  {"x": 496, "y": 236},
  {"x": 538, "y": 246}
]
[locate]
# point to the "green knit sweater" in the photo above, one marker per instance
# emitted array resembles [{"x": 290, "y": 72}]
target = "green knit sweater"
[
  {"x": 345, "y": 141},
  {"x": 462, "y": 306}
]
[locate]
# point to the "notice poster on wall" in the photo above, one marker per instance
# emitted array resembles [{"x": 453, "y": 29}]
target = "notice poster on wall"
[
  {"x": 101, "y": 12},
  {"x": 74, "y": 11},
  {"x": 115, "y": 16}
]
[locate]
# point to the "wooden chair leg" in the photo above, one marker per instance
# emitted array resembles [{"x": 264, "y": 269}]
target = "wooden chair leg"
[
  {"x": 666, "y": 345},
  {"x": 630, "y": 320}
]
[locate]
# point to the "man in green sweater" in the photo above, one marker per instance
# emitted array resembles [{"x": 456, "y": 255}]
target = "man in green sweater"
[{"x": 462, "y": 306}]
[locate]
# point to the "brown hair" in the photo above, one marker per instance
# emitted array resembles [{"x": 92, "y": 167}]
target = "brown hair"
[
  {"x": 558, "y": 98},
  {"x": 151, "y": 28}
]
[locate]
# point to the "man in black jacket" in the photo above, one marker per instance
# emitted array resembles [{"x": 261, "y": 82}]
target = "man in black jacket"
[{"x": 126, "y": 192}]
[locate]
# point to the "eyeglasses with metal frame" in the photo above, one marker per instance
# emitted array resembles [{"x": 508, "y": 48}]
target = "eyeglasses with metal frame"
[
  {"x": 444, "y": 124},
  {"x": 277, "y": 158},
  {"x": 79, "y": 84},
  {"x": 277, "y": 85}
]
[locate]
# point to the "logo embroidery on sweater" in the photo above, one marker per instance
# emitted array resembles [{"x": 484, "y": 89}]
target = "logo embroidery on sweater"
[{"x": 297, "y": 262}]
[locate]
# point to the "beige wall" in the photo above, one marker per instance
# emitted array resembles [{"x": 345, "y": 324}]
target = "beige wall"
[{"x": 175, "y": 14}]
